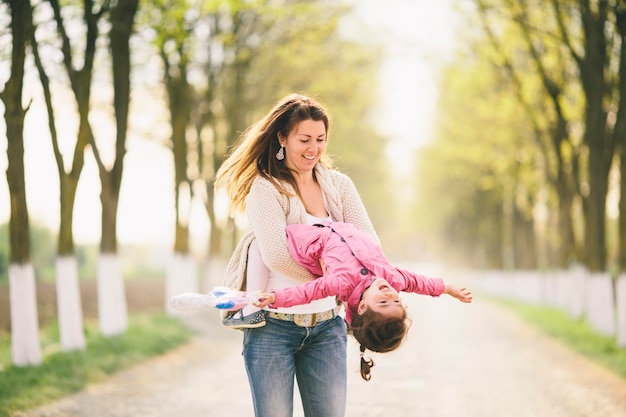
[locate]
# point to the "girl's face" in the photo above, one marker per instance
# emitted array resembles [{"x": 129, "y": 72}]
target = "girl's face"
[
  {"x": 304, "y": 145},
  {"x": 381, "y": 298}
]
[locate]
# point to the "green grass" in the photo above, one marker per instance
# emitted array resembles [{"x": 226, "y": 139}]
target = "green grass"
[
  {"x": 63, "y": 373},
  {"x": 576, "y": 334}
]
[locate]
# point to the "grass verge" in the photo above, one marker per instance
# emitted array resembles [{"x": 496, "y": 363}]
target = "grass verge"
[
  {"x": 575, "y": 333},
  {"x": 63, "y": 373}
]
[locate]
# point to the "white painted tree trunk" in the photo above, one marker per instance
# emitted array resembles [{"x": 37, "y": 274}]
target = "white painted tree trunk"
[
  {"x": 214, "y": 273},
  {"x": 600, "y": 305},
  {"x": 181, "y": 276},
  {"x": 112, "y": 307},
  {"x": 25, "y": 347},
  {"x": 69, "y": 307},
  {"x": 576, "y": 291},
  {"x": 620, "y": 289}
]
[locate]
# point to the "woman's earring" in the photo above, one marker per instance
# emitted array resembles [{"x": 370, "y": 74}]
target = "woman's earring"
[{"x": 280, "y": 155}]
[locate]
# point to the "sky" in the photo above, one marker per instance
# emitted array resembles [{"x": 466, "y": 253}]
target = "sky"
[{"x": 418, "y": 34}]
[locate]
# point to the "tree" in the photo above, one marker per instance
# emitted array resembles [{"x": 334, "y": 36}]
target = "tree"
[
  {"x": 173, "y": 23},
  {"x": 69, "y": 302},
  {"x": 620, "y": 132},
  {"x": 574, "y": 45},
  {"x": 478, "y": 180},
  {"x": 111, "y": 295},
  {"x": 112, "y": 304},
  {"x": 300, "y": 48},
  {"x": 112, "y": 307},
  {"x": 25, "y": 347},
  {"x": 311, "y": 55},
  {"x": 543, "y": 80},
  {"x": 591, "y": 50}
]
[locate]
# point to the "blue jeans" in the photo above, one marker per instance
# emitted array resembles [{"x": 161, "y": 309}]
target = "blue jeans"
[{"x": 276, "y": 352}]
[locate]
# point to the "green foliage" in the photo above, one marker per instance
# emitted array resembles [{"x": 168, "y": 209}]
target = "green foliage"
[
  {"x": 562, "y": 63},
  {"x": 484, "y": 156},
  {"x": 306, "y": 53},
  {"x": 244, "y": 56},
  {"x": 575, "y": 333},
  {"x": 63, "y": 373}
]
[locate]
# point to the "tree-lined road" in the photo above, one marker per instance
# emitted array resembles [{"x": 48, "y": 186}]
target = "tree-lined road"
[{"x": 476, "y": 360}]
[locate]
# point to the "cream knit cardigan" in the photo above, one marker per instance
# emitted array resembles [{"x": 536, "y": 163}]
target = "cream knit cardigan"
[{"x": 269, "y": 212}]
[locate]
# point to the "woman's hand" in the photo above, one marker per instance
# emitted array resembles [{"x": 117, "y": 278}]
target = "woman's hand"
[
  {"x": 265, "y": 299},
  {"x": 462, "y": 294}
]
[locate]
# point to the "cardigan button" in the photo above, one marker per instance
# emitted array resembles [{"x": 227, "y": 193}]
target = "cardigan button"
[{"x": 364, "y": 271}]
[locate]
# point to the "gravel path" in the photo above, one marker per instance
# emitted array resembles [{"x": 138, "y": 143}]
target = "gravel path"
[{"x": 475, "y": 360}]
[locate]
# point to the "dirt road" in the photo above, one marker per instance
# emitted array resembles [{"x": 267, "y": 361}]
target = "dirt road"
[{"x": 460, "y": 360}]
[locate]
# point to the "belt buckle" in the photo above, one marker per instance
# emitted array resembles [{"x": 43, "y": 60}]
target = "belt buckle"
[{"x": 305, "y": 320}]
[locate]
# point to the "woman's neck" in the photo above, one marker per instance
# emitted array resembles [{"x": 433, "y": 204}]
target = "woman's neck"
[
  {"x": 312, "y": 196},
  {"x": 305, "y": 180}
]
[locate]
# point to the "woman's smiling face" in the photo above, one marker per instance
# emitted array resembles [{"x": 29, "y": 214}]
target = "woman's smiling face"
[{"x": 305, "y": 145}]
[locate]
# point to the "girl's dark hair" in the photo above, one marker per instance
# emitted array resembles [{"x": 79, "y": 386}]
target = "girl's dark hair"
[
  {"x": 366, "y": 365},
  {"x": 378, "y": 333}
]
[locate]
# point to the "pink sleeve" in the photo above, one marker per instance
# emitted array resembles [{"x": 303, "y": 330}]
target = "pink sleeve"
[
  {"x": 420, "y": 284},
  {"x": 305, "y": 293}
]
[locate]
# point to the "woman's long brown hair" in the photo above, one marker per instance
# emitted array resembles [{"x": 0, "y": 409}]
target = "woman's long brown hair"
[{"x": 255, "y": 154}]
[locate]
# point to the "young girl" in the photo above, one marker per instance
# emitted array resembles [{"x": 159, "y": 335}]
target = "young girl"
[{"x": 348, "y": 264}]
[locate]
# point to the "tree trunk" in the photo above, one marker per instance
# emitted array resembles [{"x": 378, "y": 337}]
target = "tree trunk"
[
  {"x": 620, "y": 138},
  {"x": 122, "y": 19},
  {"x": 595, "y": 213},
  {"x": 112, "y": 306},
  {"x": 179, "y": 102},
  {"x": 113, "y": 310},
  {"x": 215, "y": 240},
  {"x": 65, "y": 240},
  {"x": 25, "y": 347},
  {"x": 69, "y": 306},
  {"x": 566, "y": 242},
  {"x": 109, "y": 198},
  {"x": 181, "y": 275},
  {"x": 622, "y": 212},
  {"x": 524, "y": 240},
  {"x": 599, "y": 143}
]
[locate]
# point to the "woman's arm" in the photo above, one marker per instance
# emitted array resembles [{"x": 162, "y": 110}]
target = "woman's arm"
[{"x": 353, "y": 208}]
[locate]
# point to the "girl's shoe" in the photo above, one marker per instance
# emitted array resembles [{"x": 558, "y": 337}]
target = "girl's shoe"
[{"x": 238, "y": 321}]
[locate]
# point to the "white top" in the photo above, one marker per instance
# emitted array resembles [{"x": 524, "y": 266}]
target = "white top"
[{"x": 277, "y": 280}]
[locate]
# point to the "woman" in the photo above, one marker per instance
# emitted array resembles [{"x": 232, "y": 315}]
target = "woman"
[{"x": 280, "y": 174}]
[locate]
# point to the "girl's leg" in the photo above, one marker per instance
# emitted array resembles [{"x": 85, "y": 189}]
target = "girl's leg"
[{"x": 321, "y": 369}]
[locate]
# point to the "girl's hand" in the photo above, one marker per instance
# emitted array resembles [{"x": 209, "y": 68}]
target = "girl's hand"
[
  {"x": 265, "y": 299},
  {"x": 462, "y": 294}
]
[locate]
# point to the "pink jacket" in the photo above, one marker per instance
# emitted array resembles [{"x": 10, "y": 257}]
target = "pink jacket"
[{"x": 352, "y": 260}]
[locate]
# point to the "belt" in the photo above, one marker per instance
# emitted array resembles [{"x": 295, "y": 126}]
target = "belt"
[{"x": 304, "y": 320}]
